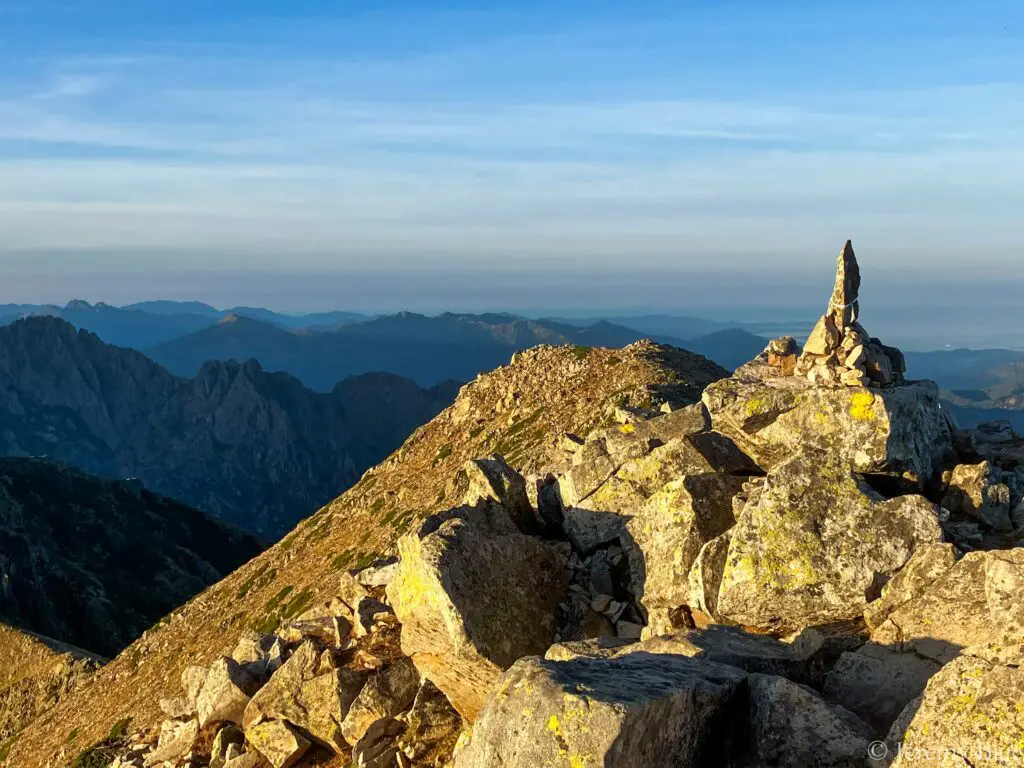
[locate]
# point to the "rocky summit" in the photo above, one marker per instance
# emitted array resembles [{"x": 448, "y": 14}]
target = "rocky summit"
[{"x": 801, "y": 566}]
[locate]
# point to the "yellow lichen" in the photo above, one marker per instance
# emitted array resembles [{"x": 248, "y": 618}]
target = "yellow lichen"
[
  {"x": 755, "y": 406},
  {"x": 862, "y": 406},
  {"x": 627, "y": 429},
  {"x": 554, "y": 726}
]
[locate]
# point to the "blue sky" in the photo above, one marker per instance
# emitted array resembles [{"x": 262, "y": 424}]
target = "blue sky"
[{"x": 149, "y": 148}]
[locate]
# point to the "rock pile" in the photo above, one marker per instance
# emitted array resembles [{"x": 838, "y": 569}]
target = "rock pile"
[
  {"x": 839, "y": 351},
  {"x": 780, "y": 575},
  {"x": 332, "y": 682}
]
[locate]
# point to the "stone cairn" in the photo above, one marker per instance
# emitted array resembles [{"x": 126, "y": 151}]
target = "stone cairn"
[{"x": 839, "y": 352}]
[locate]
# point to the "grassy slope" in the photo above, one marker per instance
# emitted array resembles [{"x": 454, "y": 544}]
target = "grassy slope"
[
  {"x": 519, "y": 410},
  {"x": 33, "y": 672}
]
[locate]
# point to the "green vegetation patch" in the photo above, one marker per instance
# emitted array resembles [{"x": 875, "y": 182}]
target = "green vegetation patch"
[
  {"x": 257, "y": 581},
  {"x": 267, "y": 625},
  {"x": 100, "y": 755},
  {"x": 342, "y": 560},
  {"x": 273, "y": 602},
  {"x": 443, "y": 453},
  {"x": 119, "y": 729},
  {"x": 298, "y": 604}
]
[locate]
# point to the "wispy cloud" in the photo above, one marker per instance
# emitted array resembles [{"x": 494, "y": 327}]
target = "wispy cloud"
[{"x": 475, "y": 151}]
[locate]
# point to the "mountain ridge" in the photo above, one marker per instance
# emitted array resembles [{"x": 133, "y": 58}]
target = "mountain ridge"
[
  {"x": 427, "y": 349},
  {"x": 255, "y": 448},
  {"x": 96, "y": 562},
  {"x": 523, "y": 409}
]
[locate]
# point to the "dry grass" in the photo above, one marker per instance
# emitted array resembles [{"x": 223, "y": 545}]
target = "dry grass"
[{"x": 520, "y": 410}]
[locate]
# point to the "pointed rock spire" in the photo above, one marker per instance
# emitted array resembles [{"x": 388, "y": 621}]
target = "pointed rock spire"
[
  {"x": 839, "y": 350},
  {"x": 843, "y": 306}
]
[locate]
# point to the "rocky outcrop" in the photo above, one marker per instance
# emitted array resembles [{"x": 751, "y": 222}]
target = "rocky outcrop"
[
  {"x": 303, "y": 695},
  {"x": 985, "y": 493},
  {"x": 975, "y": 602},
  {"x": 225, "y": 693},
  {"x": 308, "y": 692},
  {"x": 473, "y": 596},
  {"x": 665, "y": 535},
  {"x": 760, "y": 654},
  {"x": 792, "y": 727},
  {"x": 896, "y": 430},
  {"x": 279, "y": 743},
  {"x": 925, "y": 566},
  {"x": 640, "y": 709},
  {"x": 815, "y": 543},
  {"x": 387, "y": 694},
  {"x": 969, "y": 715}
]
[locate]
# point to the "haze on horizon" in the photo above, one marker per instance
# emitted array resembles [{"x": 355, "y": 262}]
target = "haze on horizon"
[{"x": 429, "y": 155}]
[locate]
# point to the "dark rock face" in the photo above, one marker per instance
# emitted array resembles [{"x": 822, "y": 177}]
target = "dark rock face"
[
  {"x": 256, "y": 449},
  {"x": 96, "y": 562}
]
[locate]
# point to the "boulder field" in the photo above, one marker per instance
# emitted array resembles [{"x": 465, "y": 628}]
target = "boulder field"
[{"x": 813, "y": 566}]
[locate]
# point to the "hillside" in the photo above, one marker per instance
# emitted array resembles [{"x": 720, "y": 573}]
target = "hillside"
[
  {"x": 256, "y": 449},
  {"x": 810, "y": 566},
  {"x": 730, "y": 348},
  {"x": 35, "y": 674},
  {"x": 308, "y": 320},
  {"x": 522, "y": 410},
  {"x": 680, "y": 327},
  {"x": 96, "y": 562}
]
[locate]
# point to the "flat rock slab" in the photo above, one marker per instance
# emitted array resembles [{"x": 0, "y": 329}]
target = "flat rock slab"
[{"x": 638, "y": 711}]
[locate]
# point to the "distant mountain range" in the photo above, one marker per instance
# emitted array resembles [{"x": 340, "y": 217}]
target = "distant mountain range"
[
  {"x": 254, "y": 448},
  {"x": 977, "y": 385},
  {"x": 427, "y": 349},
  {"x": 152, "y": 322},
  {"x": 96, "y": 562},
  {"x": 322, "y": 348}
]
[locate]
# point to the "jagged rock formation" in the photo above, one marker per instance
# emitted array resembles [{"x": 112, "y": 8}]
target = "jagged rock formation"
[
  {"x": 256, "y": 449},
  {"x": 712, "y": 588},
  {"x": 96, "y": 562}
]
